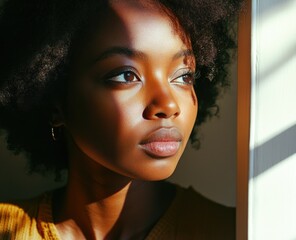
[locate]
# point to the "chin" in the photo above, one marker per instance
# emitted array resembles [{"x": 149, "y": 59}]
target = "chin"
[{"x": 157, "y": 174}]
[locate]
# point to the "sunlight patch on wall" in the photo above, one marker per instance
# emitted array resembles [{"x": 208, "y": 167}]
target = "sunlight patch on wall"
[
  {"x": 276, "y": 70},
  {"x": 272, "y": 192},
  {"x": 274, "y": 213}
]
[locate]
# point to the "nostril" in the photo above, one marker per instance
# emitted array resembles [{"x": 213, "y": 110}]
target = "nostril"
[
  {"x": 162, "y": 107},
  {"x": 161, "y": 115}
]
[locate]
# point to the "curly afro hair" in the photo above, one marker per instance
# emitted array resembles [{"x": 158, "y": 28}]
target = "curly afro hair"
[{"x": 37, "y": 39}]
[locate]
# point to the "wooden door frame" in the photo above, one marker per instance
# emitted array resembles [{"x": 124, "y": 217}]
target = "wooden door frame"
[{"x": 243, "y": 120}]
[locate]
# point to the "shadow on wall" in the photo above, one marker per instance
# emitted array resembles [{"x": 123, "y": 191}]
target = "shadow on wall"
[
  {"x": 275, "y": 60},
  {"x": 272, "y": 191},
  {"x": 275, "y": 150},
  {"x": 272, "y": 4}
]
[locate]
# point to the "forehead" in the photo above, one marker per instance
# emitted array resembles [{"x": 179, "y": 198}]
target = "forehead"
[
  {"x": 144, "y": 4},
  {"x": 131, "y": 24},
  {"x": 138, "y": 22},
  {"x": 125, "y": 9}
]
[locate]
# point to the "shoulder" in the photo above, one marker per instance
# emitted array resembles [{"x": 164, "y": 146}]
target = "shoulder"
[
  {"x": 17, "y": 216},
  {"x": 201, "y": 217},
  {"x": 18, "y": 208}
]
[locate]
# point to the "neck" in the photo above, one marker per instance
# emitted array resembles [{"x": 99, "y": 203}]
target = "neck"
[{"x": 96, "y": 208}]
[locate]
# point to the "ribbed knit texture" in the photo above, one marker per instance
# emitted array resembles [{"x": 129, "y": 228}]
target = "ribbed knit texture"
[
  {"x": 16, "y": 221},
  {"x": 27, "y": 220}
]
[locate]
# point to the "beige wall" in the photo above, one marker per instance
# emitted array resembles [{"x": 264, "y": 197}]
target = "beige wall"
[{"x": 211, "y": 170}]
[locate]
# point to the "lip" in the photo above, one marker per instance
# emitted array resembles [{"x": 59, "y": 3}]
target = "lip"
[{"x": 161, "y": 143}]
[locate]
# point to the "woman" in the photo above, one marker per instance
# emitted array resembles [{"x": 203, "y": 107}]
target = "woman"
[{"x": 106, "y": 89}]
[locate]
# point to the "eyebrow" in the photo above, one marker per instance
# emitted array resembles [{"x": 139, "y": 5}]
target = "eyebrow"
[
  {"x": 113, "y": 51},
  {"x": 183, "y": 53}
]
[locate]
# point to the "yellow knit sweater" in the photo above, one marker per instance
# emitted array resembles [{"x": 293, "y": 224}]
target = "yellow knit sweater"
[{"x": 190, "y": 216}]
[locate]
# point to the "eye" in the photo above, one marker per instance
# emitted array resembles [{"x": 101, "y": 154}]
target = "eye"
[
  {"x": 123, "y": 76},
  {"x": 183, "y": 76}
]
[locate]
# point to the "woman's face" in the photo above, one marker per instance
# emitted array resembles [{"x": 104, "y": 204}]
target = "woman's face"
[{"x": 131, "y": 104}]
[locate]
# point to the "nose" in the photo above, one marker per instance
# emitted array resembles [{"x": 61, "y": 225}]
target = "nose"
[{"x": 161, "y": 103}]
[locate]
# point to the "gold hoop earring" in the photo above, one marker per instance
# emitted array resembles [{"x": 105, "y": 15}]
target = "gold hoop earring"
[{"x": 53, "y": 134}]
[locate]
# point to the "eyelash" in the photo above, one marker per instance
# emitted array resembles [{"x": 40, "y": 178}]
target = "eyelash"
[
  {"x": 185, "y": 72},
  {"x": 110, "y": 77}
]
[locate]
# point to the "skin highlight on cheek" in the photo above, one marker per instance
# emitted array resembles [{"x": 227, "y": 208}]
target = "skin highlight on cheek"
[{"x": 194, "y": 98}]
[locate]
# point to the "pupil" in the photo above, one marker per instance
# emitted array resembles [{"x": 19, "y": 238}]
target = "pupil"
[
  {"x": 128, "y": 76},
  {"x": 187, "y": 79}
]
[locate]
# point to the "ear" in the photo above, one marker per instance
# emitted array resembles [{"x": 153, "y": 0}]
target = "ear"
[{"x": 57, "y": 116}]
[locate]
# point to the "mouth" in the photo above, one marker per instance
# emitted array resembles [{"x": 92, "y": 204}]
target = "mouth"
[{"x": 164, "y": 142}]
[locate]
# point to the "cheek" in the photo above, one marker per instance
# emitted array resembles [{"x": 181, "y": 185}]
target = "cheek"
[
  {"x": 103, "y": 123},
  {"x": 189, "y": 105},
  {"x": 194, "y": 98},
  {"x": 92, "y": 119}
]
